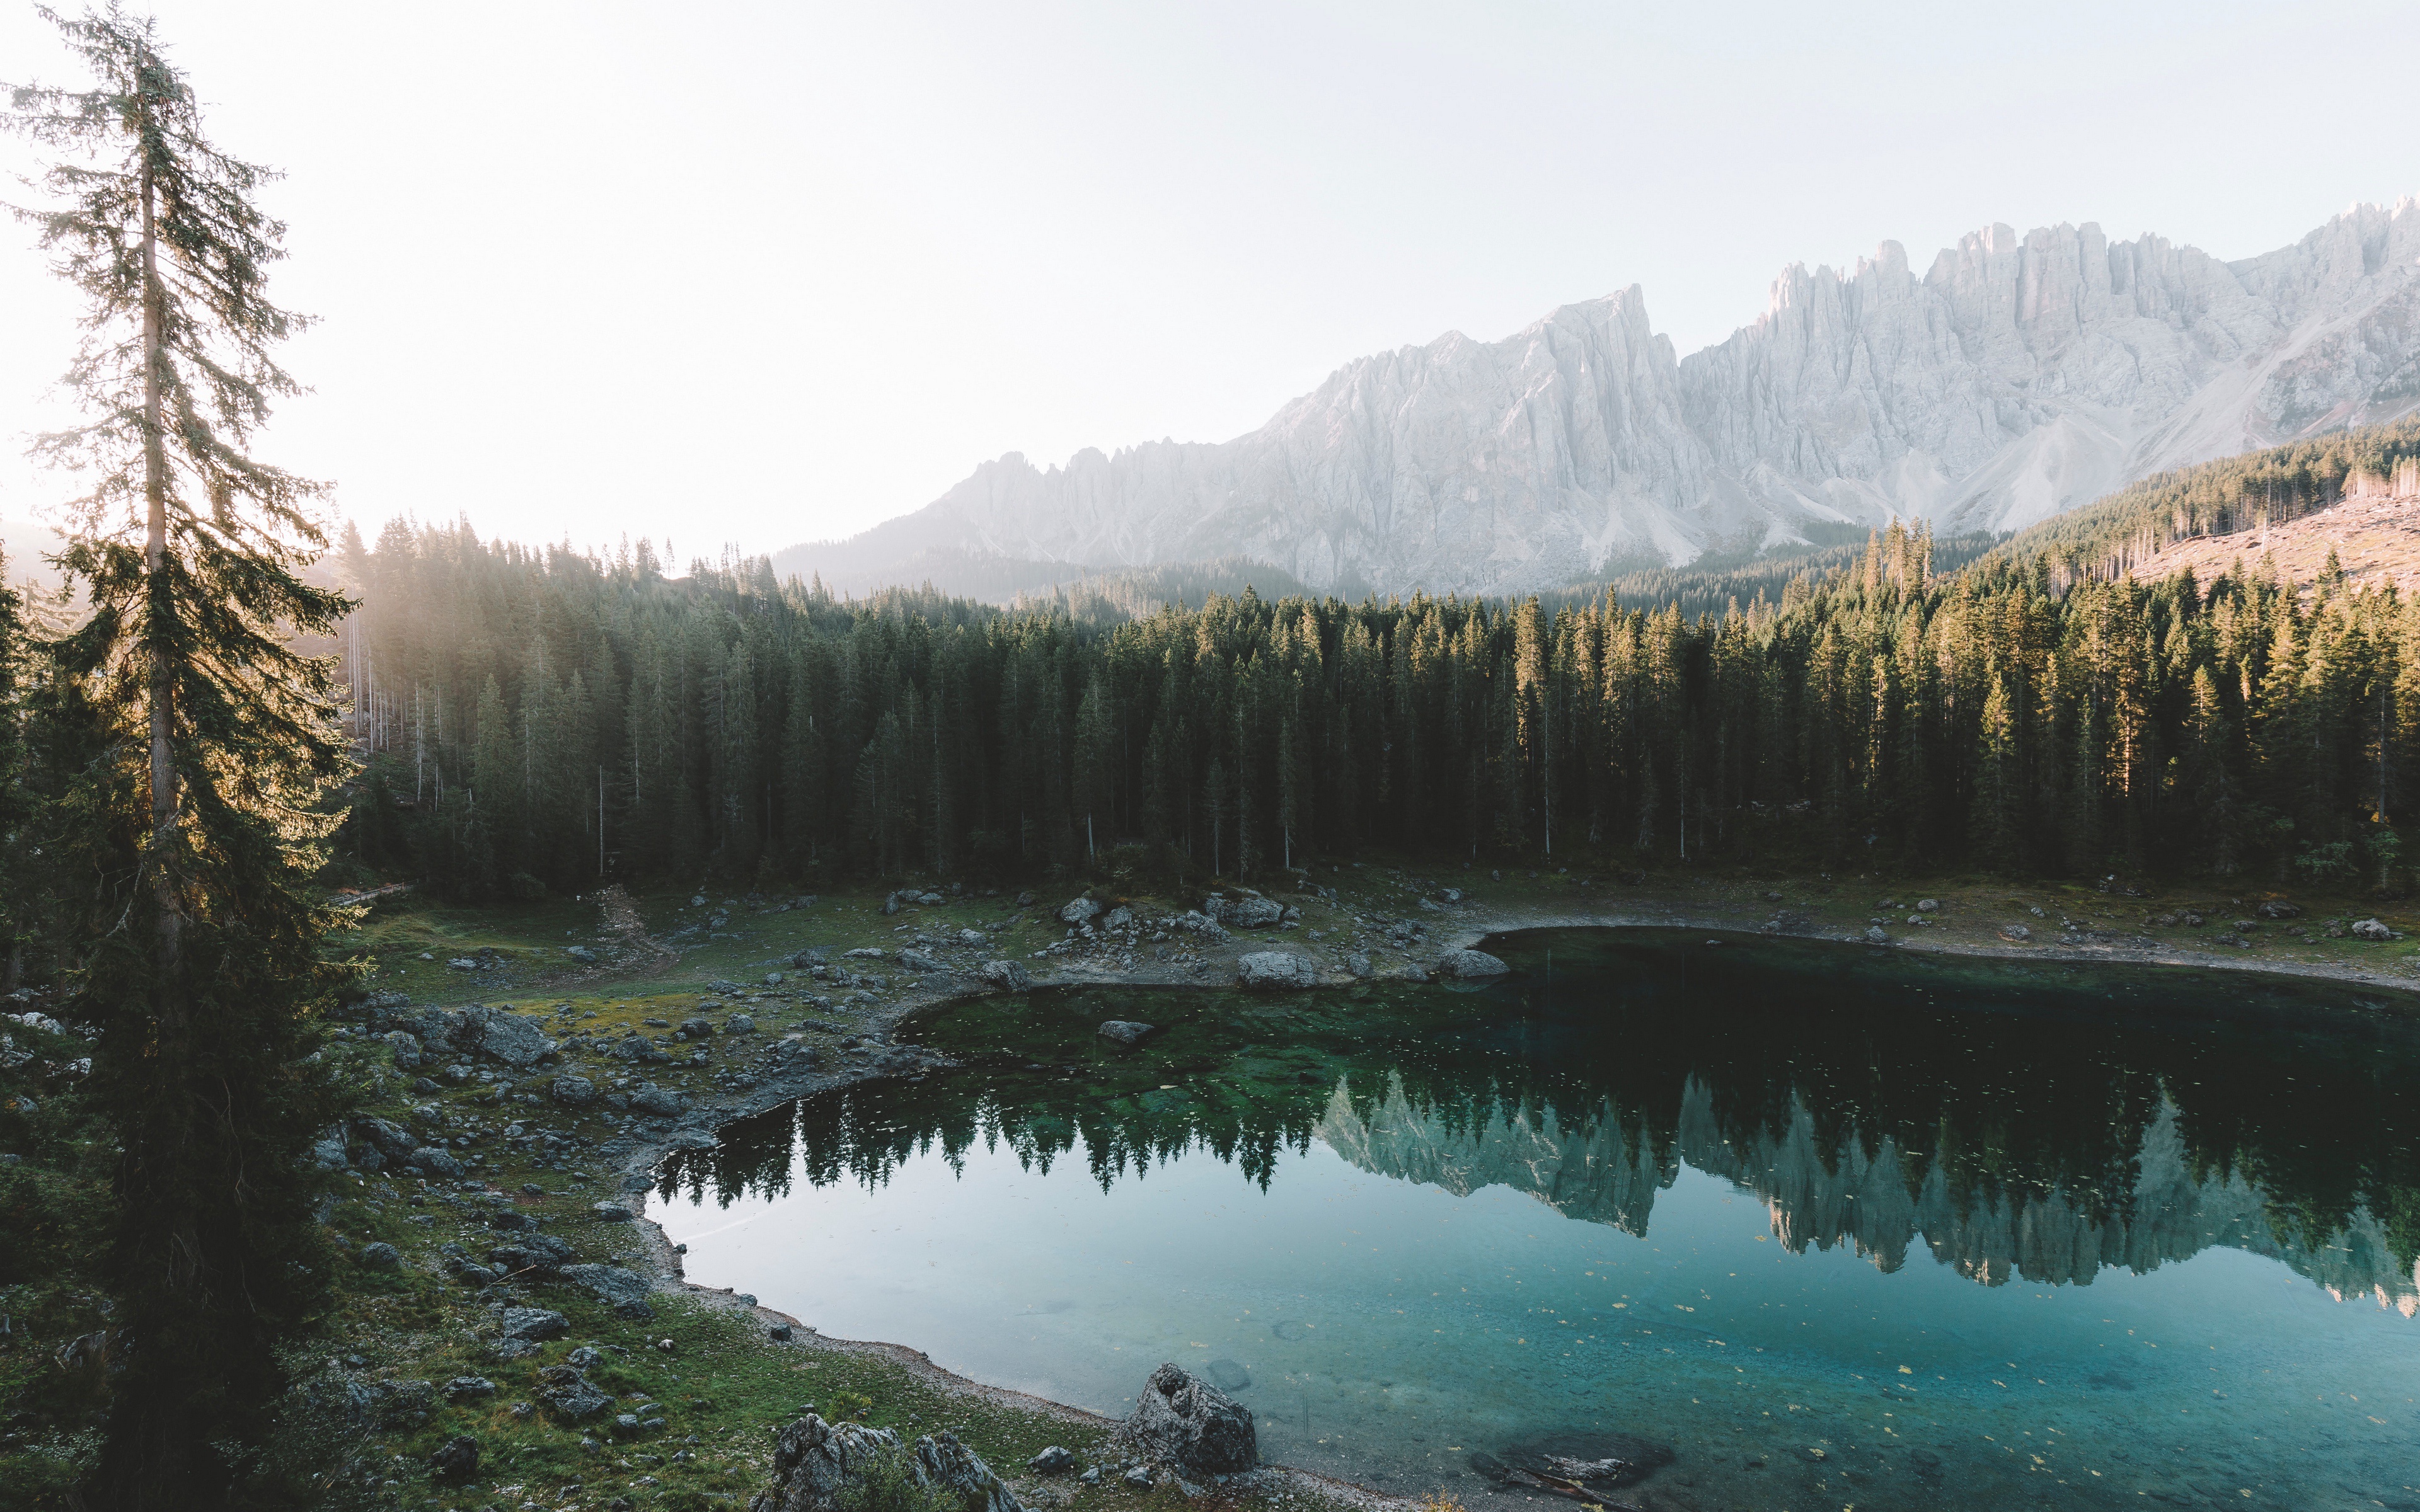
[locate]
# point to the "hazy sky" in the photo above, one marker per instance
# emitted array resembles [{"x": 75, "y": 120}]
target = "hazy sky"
[{"x": 760, "y": 274}]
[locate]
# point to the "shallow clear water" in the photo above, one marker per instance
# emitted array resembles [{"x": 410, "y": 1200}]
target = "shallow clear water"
[{"x": 1839, "y": 1227}]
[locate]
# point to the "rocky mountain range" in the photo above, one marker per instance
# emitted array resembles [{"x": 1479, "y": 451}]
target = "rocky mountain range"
[{"x": 2014, "y": 377}]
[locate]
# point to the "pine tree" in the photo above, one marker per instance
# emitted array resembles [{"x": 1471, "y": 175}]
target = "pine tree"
[
  {"x": 201, "y": 938},
  {"x": 19, "y": 886}
]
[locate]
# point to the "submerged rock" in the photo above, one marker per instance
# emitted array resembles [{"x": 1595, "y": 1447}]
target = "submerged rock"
[
  {"x": 1584, "y": 1467},
  {"x": 1183, "y": 1421},
  {"x": 1126, "y": 1031}
]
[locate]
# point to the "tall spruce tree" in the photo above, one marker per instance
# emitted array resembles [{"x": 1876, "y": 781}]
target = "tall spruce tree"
[{"x": 197, "y": 934}]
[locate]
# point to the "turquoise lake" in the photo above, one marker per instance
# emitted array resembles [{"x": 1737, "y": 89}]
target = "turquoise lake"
[{"x": 1834, "y": 1227}]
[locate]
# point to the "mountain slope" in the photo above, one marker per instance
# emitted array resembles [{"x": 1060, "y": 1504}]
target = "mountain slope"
[{"x": 2014, "y": 378}]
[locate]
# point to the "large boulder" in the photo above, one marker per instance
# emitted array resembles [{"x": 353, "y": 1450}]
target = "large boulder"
[
  {"x": 511, "y": 1037},
  {"x": 1276, "y": 970},
  {"x": 1469, "y": 965},
  {"x": 539, "y": 1253},
  {"x": 1183, "y": 1421},
  {"x": 393, "y": 1140},
  {"x": 1009, "y": 976},
  {"x": 574, "y": 1091},
  {"x": 919, "y": 960},
  {"x": 2371, "y": 930},
  {"x": 814, "y": 1460},
  {"x": 1254, "y": 913},
  {"x": 1079, "y": 911}
]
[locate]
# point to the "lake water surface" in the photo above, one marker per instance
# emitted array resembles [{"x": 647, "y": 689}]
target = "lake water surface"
[{"x": 1837, "y": 1227}]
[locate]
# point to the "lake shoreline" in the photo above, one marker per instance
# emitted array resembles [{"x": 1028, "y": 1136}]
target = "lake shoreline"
[{"x": 1450, "y": 925}]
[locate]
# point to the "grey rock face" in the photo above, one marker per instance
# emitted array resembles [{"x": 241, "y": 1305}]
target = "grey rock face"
[
  {"x": 2014, "y": 377},
  {"x": 1126, "y": 1031},
  {"x": 1469, "y": 965},
  {"x": 1009, "y": 976},
  {"x": 1275, "y": 971},
  {"x": 812, "y": 1462},
  {"x": 1183, "y": 1421}
]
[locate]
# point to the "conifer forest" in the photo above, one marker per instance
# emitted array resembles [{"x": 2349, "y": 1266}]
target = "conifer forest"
[{"x": 545, "y": 718}]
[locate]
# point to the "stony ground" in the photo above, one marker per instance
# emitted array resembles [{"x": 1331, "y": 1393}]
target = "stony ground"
[{"x": 672, "y": 1014}]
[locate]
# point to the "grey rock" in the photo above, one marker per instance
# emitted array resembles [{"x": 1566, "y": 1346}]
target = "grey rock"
[
  {"x": 864, "y": 952},
  {"x": 1469, "y": 965},
  {"x": 540, "y": 1253},
  {"x": 2278, "y": 908},
  {"x": 1875, "y": 935},
  {"x": 659, "y": 1103},
  {"x": 973, "y": 937},
  {"x": 563, "y": 1390},
  {"x": 958, "y": 1473},
  {"x": 456, "y": 1459},
  {"x": 535, "y": 1323},
  {"x": 1252, "y": 913},
  {"x": 328, "y": 1150},
  {"x": 511, "y": 1037},
  {"x": 379, "y": 1256},
  {"x": 392, "y": 1140},
  {"x": 1138, "y": 1476},
  {"x": 1119, "y": 917},
  {"x": 2016, "y": 932},
  {"x": 808, "y": 958},
  {"x": 581, "y": 953},
  {"x": 611, "y": 1212},
  {"x": 573, "y": 1091},
  {"x": 779, "y": 1332},
  {"x": 1009, "y": 976},
  {"x": 1928, "y": 905},
  {"x": 1276, "y": 970},
  {"x": 434, "y": 1161},
  {"x": 1185, "y": 1420},
  {"x": 814, "y": 1461},
  {"x": 1051, "y": 1461},
  {"x": 1357, "y": 962},
  {"x": 1124, "y": 1031},
  {"x": 2371, "y": 930},
  {"x": 919, "y": 960},
  {"x": 1079, "y": 911},
  {"x": 698, "y": 1027},
  {"x": 469, "y": 1388},
  {"x": 627, "y": 1290}
]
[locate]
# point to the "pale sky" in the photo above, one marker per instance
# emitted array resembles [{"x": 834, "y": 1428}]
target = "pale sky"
[{"x": 757, "y": 273}]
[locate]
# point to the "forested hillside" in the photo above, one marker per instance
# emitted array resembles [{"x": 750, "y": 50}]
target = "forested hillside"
[{"x": 544, "y": 719}]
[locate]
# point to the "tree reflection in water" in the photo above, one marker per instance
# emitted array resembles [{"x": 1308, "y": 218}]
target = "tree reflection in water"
[{"x": 2033, "y": 1122}]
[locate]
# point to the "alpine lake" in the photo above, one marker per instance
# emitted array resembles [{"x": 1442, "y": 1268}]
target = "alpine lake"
[{"x": 1661, "y": 1220}]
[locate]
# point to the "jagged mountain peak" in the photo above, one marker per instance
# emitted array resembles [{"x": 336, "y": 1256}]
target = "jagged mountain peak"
[{"x": 2017, "y": 376}]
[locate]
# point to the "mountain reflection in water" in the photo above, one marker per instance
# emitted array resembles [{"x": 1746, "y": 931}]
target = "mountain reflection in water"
[{"x": 2040, "y": 1123}]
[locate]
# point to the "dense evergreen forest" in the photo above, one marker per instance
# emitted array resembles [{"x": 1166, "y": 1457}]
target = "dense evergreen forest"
[{"x": 542, "y": 718}]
